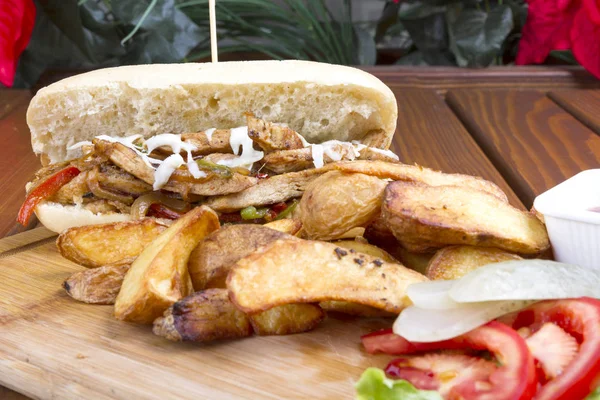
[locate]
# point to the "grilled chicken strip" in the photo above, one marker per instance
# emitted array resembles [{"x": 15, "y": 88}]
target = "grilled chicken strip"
[
  {"x": 272, "y": 190},
  {"x": 272, "y": 137},
  {"x": 301, "y": 159},
  {"x": 181, "y": 181}
]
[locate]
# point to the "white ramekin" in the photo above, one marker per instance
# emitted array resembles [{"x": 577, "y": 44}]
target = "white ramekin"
[{"x": 573, "y": 229}]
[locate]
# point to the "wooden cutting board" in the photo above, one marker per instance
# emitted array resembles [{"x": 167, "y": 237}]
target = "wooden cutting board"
[{"x": 54, "y": 347}]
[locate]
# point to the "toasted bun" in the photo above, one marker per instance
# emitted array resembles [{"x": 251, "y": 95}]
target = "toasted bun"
[
  {"x": 320, "y": 101},
  {"x": 58, "y": 217}
]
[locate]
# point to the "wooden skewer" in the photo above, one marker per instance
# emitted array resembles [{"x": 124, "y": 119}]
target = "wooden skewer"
[{"x": 214, "y": 52}]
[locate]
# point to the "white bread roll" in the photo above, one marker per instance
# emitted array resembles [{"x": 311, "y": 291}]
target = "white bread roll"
[
  {"x": 320, "y": 101},
  {"x": 58, "y": 217}
]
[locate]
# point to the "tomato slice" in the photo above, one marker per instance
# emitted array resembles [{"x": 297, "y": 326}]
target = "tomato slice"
[
  {"x": 581, "y": 319},
  {"x": 514, "y": 379},
  {"x": 45, "y": 190}
]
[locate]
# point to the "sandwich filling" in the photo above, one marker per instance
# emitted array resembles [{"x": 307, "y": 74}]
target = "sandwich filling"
[{"x": 168, "y": 174}]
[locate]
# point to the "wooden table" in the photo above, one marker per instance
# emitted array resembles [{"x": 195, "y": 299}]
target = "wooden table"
[{"x": 526, "y": 129}]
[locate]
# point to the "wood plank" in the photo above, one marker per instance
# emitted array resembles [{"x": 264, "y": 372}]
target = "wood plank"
[
  {"x": 16, "y": 241},
  {"x": 54, "y": 347},
  {"x": 17, "y": 166},
  {"x": 11, "y": 99},
  {"x": 442, "y": 79},
  {"x": 429, "y": 134},
  {"x": 583, "y": 104},
  {"x": 532, "y": 141}
]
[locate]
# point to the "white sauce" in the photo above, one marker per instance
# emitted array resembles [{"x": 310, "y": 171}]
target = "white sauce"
[
  {"x": 166, "y": 169},
  {"x": 238, "y": 137},
  {"x": 169, "y": 140},
  {"x": 388, "y": 153},
  {"x": 209, "y": 133},
  {"x": 317, "y": 155},
  {"x": 79, "y": 145},
  {"x": 304, "y": 141}
]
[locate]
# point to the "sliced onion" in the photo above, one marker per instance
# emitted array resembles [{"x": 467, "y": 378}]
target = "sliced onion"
[
  {"x": 432, "y": 295},
  {"x": 526, "y": 280},
  {"x": 142, "y": 204},
  {"x": 421, "y": 325}
]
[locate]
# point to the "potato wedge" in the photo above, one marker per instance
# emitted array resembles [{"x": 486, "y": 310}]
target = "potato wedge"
[
  {"x": 212, "y": 259},
  {"x": 336, "y": 202},
  {"x": 357, "y": 310},
  {"x": 286, "y": 225},
  {"x": 115, "y": 243},
  {"x": 415, "y": 173},
  {"x": 287, "y": 319},
  {"x": 97, "y": 285},
  {"x": 454, "y": 262},
  {"x": 366, "y": 248},
  {"x": 210, "y": 315},
  {"x": 202, "y": 317},
  {"x": 416, "y": 261},
  {"x": 457, "y": 215},
  {"x": 302, "y": 271},
  {"x": 159, "y": 276}
]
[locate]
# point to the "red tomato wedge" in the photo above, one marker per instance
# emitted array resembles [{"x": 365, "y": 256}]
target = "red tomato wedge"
[
  {"x": 580, "y": 318},
  {"x": 514, "y": 379},
  {"x": 45, "y": 190}
]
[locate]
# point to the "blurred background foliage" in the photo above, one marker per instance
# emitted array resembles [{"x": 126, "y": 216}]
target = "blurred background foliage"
[{"x": 88, "y": 34}]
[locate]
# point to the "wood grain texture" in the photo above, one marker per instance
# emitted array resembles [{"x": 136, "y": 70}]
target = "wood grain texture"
[
  {"x": 443, "y": 79},
  {"x": 582, "y": 104},
  {"x": 11, "y": 98},
  {"x": 533, "y": 142},
  {"x": 11, "y": 243},
  {"x": 429, "y": 134},
  {"x": 54, "y": 347},
  {"x": 17, "y": 166}
]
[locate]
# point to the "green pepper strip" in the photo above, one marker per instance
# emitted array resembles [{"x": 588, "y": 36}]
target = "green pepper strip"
[
  {"x": 288, "y": 211},
  {"x": 252, "y": 212},
  {"x": 219, "y": 169}
]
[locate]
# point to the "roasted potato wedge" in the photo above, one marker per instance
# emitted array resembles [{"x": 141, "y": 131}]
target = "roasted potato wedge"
[
  {"x": 415, "y": 173},
  {"x": 453, "y": 215},
  {"x": 210, "y": 315},
  {"x": 159, "y": 276},
  {"x": 416, "y": 261},
  {"x": 212, "y": 259},
  {"x": 286, "y": 225},
  {"x": 115, "y": 243},
  {"x": 336, "y": 202},
  {"x": 97, "y": 285},
  {"x": 366, "y": 248},
  {"x": 303, "y": 271},
  {"x": 287, "y": 319},
  {"x": 454, "y": 262},
  {"x": 202, "y": 317},
  {"x": 358, "y": 310}
]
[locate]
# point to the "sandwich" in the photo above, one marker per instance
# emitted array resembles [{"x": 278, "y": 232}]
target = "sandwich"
[{"x": 244, "y": 138}]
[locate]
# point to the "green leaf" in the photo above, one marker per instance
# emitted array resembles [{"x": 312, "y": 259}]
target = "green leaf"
[
  {"x": 374, "y": 385},
  {"x": 595, "y": 395},
  {"x": 389, "y": 17},
  {"x": 419, "y": 9},
  {"x": 166, "y": 33},
  {"x": 420, "y": 58},
  {"x": 478, "y": 36},
  {"x": 566, "y": 56},
  {"x": 429, "y": 34},
  {"x": 366, "y": 49}
]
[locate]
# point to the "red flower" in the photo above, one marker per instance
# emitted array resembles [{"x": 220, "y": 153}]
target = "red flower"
[
  {"x": 17, "y": 18},
  {"x": 562, "y": 25}
]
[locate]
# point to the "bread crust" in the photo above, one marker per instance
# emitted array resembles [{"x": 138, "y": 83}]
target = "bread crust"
[{"x": 320, "y": 101}]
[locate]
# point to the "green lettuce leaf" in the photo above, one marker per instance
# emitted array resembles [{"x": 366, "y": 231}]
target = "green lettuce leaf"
[
  {"x": 595, "y": 395},
  {"x": 374, "y": 385}
]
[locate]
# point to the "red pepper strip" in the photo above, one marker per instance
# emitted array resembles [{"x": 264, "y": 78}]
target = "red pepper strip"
[
  {"x": 279, "y": 207},
  {"x": 45, "y": 190},
  {"x": 161, "y": 211},
  {"x": 515, "y": 379},
  {"x": 581, "y": 319}
]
